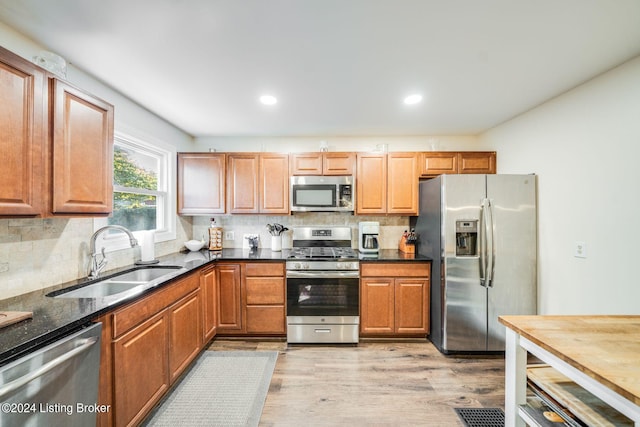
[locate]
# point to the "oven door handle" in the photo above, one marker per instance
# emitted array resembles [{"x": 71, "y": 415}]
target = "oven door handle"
[{"x": 323, "y": 274}]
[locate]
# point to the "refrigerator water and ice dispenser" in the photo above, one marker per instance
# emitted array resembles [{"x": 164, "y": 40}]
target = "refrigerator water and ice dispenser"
[{"x": 467, "y": 237}]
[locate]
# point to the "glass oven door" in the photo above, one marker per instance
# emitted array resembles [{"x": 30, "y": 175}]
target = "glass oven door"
[{"x": 322, "y": 294}]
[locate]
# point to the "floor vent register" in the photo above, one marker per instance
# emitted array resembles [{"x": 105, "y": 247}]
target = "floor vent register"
[{"x": 481, "y": 417}]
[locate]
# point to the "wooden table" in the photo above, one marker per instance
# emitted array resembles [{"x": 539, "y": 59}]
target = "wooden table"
[{"x": 599, "y": 353}]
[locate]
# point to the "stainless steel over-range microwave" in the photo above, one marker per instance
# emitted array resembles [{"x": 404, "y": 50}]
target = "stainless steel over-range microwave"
[{"x": 322, "y": 193}]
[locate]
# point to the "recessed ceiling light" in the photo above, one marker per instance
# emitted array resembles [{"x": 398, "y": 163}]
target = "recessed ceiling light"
[
  {"x": 413, "y": 99},
  {"x": 268, "y": 100}
]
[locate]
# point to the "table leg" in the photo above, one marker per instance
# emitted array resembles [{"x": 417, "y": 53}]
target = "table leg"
[{"x": 515, "y": 390}]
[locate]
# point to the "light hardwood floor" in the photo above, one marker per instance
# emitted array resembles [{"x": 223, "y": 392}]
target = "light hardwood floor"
[{"x": 407, "y": 383}]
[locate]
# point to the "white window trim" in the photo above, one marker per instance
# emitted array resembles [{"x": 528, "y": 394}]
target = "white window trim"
[{"x": 167, "y": 153}]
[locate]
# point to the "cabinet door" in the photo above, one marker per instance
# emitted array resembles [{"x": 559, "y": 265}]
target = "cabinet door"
[
  {"x": 411, "y": 306},
  {"x": 242, "y": 185},
  {"x": 402, "y": 188},
  {"x": 371, "y": 183},
  {"x": 82, "y": 151},
  {"x": 438, "y": 163},
  {"x": 338, "y": 163},
  {"x": 22, "y": 135},
  {"x": 201, "y": 183},
  {"x": 477, "y": 162},
  {"x": 274, "y": 183},
  {"x": 186, "y": 333},
  {"x": 306, "y": 164},
  {"x": 376, "y": 306},
  {"x": 142, "y": 374},
  {"x": 229, "y": 301},
  {"x": 208, "y": 284}
]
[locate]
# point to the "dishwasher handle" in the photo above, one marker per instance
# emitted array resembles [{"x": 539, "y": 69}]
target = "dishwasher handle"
[{"x": 17, "y": 383}]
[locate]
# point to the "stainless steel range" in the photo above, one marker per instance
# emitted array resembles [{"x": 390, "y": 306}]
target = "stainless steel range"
[{"x": 323, "y": 287}]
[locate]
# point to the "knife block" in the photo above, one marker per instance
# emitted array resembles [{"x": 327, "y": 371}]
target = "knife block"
[{"x": 405, "y": 247}]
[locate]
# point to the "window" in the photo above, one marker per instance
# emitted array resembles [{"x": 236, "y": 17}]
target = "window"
[{"x": 142, "y": 175}]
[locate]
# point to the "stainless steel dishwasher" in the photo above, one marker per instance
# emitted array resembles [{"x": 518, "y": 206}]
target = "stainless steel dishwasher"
[{"x": 56, "y": 385}]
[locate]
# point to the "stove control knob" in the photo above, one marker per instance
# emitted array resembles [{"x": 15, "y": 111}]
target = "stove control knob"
[
  {"x": 297, "y": 265},
  {"x": 306, "y": 266}
]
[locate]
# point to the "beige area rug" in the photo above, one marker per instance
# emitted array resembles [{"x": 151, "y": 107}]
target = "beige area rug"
[{"x": 223, "y": 388}]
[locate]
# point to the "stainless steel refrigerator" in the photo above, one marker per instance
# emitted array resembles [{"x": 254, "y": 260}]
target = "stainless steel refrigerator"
[{"x": 481, "y": 231}]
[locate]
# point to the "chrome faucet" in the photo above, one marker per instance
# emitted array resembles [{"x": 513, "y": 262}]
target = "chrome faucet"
[{"x": 97, "y": 266}]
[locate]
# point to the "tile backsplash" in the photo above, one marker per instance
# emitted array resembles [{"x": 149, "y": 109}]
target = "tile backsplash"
[
  {"x": 38, "y": 253},
  {"x": 391, "y": 227}
]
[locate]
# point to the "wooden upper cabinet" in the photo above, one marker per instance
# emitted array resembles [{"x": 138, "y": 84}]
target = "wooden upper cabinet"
[
  {"x": 306, "y": 164},
  {"x": 81, "y": 151},
  {"x": 387, "y": 183},
  {"x": 438, "y": 163},
  {"x": 22, "y": 135},
  {"x": 242, "y": 183},
  {"x": 323, "y": 163},
  {"x": 452, "y": 162},
  {"x": 201, "y": 183},
  {"x": 338, "y": 163},
  {"x": 477, "y": 162},
  {"x": 402, "y": 183},
  {"x": 371, "y": 183},
  {"x": 274, "y": 183},
  {"x": 258, "y": 183}
]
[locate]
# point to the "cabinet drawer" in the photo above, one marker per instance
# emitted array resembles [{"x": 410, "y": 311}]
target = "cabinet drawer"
[
  {"x": 264, "y": 269},
  {"x": 396, "y": 269},
  {"x": 265, "y": 290},
  {"x": 131, "y": 315},
  {"x": 269, "y": 319}
]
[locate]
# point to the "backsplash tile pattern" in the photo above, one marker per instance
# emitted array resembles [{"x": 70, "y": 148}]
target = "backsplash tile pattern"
[
  {"x": 38, "y": 253},
  {"x": 391, "y": 227}
]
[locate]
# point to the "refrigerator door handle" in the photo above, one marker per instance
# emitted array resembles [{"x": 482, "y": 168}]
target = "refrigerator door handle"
[
  {"x": 491, "y": 247},
  {"x": 483, "y": 242}
]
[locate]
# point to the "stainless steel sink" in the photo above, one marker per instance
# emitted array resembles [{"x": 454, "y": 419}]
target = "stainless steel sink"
[
  {"x": 103, "y": 289},
  {"x": 143, "y": 275},
  {"x": 122, "y": 285}
]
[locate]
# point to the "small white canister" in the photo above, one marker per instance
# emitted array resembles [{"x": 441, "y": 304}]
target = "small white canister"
[{"x": 276, "y": 243}]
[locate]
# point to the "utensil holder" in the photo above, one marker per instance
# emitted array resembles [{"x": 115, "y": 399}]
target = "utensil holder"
[{"x": 276, "y": 243}]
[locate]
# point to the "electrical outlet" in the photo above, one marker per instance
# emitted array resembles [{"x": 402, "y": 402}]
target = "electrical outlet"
[
  {"x": 229, "y": 235},
  {"x": 580, "y": 250}
]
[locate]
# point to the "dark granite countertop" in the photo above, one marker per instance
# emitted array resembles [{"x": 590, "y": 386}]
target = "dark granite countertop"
[
  {"x": 56, "y": 317},
  {"x": 392, "y": 255}
]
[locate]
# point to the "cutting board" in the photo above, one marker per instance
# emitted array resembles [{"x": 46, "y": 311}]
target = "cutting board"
[{"x": 10, "y": 317}]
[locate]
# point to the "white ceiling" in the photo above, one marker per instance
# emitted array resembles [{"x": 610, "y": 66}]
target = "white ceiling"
[{"x": 338, "y": 67}]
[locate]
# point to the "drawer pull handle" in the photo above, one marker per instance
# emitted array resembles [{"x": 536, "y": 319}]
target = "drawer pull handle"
[{"x": 323, "y": 331}]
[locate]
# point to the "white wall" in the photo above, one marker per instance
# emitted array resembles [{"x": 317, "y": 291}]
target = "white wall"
[
  {"x": 337, "y": 143},
  {"x": 584, "y": 146}
]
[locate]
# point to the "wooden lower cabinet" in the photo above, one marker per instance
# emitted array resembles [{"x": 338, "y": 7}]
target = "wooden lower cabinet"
[
  {"x": 391, "y": 304},
  {"x": 264, "y": 301},
  {"x": 251, "y": 299},
  {"x": 230, "y": 304},
  {"x": 208, "y": 289},
  {"x": 186, "y": 333},
  {"x": 411, "y": 306},
  {"x": 146, "y": 346},
  {"x": 141, "y": 376}
]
